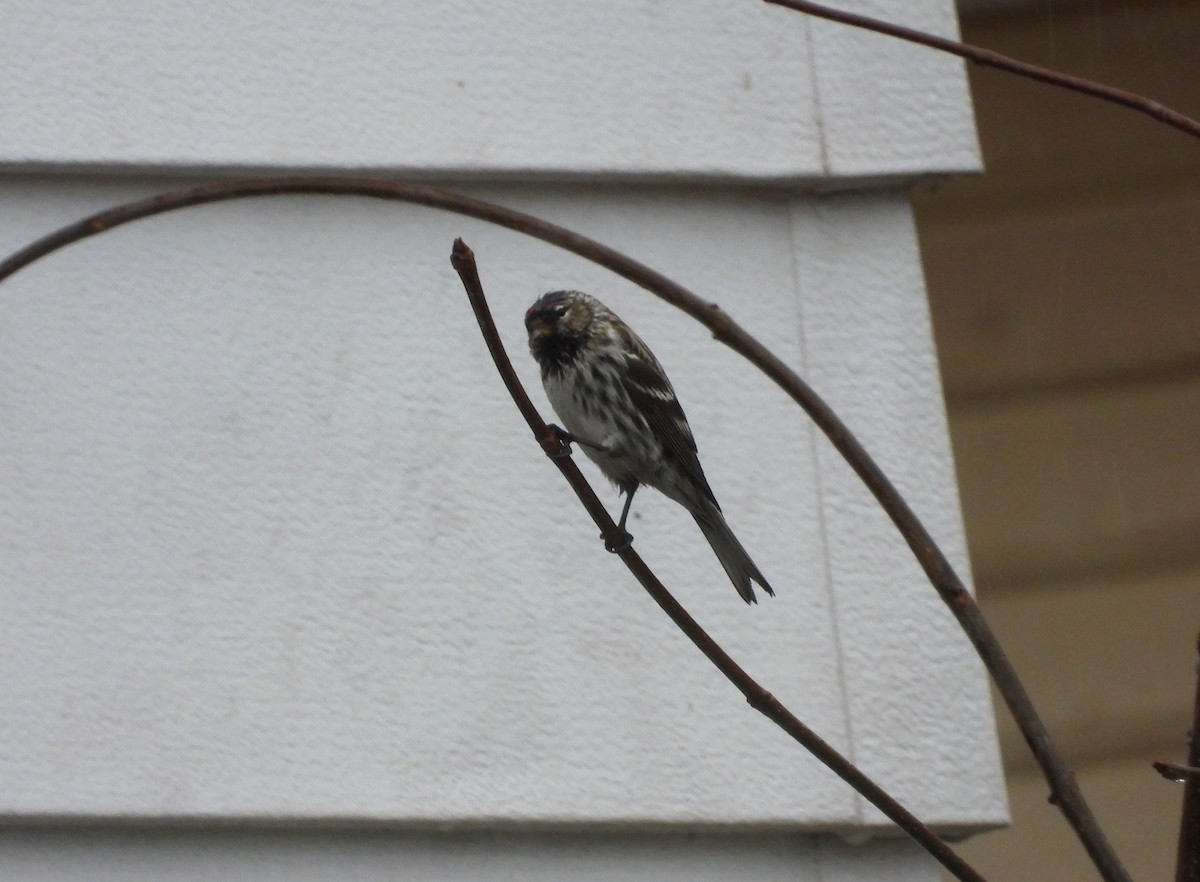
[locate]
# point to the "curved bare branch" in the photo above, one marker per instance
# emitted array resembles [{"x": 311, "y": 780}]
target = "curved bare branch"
[{"x": 1065, "y": 792}]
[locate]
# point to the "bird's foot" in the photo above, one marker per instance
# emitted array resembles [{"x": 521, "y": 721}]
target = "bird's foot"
[
  {"x": 566, "y": 438},
  {"x": 625, "y": 543}
]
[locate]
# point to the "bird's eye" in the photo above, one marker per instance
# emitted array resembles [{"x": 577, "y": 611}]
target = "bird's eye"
[{"x": 560, "y": 311}]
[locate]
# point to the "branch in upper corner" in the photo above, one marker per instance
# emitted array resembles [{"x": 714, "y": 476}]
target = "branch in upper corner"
[
  {"x": 463, "y": 261},
  {"x": 989, "y": 58}
]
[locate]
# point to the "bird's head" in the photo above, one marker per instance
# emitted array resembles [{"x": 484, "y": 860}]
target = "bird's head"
[
  {"x": 561, "y": 324},
  {"x": 559, "y": 314}
]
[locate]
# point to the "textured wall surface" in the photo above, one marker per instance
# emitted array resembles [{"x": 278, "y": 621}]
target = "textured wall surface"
[
  {"x": 275, "y": 547},
  {"x": 518, "y": 88},
  {"x": 277, "y": 544}
]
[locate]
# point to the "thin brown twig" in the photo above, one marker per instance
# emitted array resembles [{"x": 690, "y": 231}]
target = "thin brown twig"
[
  {"x": 1187, "y": 864},
  {"x": 990, "y": 58},
  {"x": 463, "y": 261},
  {"x": 1064, "y": 791},
  {"x": 1177, "y": 772}
]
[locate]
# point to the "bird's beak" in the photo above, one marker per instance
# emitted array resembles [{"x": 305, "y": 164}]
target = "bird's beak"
[{"x": 537, "y": 327}]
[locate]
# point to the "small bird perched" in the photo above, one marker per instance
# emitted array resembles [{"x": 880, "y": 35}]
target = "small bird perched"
[{"x": 615, "y": 401}]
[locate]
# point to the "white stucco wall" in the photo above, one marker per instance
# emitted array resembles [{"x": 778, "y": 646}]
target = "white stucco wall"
[{"x": 276, "y": 548}]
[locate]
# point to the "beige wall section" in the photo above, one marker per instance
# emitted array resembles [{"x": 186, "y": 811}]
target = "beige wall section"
[{"x": 1065, "y": 286}]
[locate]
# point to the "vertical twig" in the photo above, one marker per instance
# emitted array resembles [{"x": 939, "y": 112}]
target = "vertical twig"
[
  {"x": 1187, "y": 867},
  {"x": 463, "y": 261}
]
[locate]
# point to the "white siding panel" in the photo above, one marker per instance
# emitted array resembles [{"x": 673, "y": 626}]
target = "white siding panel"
[
  {"x": 907, "y": 667},
  {"x": 461, "y": 88},
  {"x": 471, "y": 88},
  {"x": 139, "y": 855},
  {"x": 888, "y": 106},
  {"x": 276, "y": 545}
]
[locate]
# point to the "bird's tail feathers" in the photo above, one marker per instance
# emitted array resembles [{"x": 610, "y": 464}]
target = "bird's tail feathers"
[{"x": 731, "y": 554}]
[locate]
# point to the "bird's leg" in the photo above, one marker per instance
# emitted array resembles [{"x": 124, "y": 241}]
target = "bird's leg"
[
  {"x": 567, "y": 438},
  {"x": 628, "y": 502},
  {"x": 629, "y": 489}
]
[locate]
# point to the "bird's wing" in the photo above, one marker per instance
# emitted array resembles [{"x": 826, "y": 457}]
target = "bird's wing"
[{"x": 652, "y": 395}]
